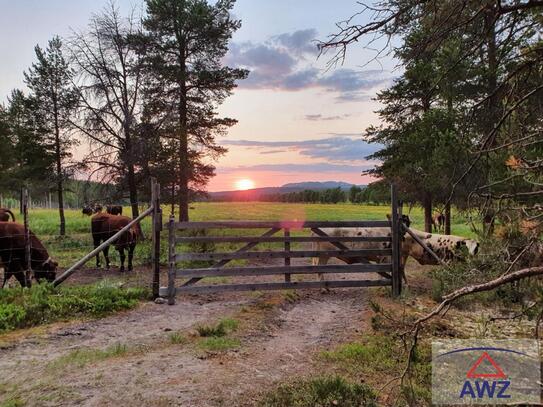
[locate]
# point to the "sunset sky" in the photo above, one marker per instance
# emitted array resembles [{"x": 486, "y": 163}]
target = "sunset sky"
[{"x": 297, "y": 120}]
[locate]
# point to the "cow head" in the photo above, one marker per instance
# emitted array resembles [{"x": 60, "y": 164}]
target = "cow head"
[
  {"x": 470, "y": 244},
  {"x": 87, "y": 210},
  {"x": 405, "y": 220},
  {"x": 47, "y": 270}
]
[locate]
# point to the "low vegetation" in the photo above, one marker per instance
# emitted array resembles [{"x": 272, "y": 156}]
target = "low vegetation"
[
  {"x": 84, "y": 356},
  {"x": 215, "y": 338},
  {"x": 325, "y": 391},
  {"x": 43, "y": 303}
]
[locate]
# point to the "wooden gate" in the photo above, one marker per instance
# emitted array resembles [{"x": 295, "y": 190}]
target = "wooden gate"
[{"x": 280, "y": 233}]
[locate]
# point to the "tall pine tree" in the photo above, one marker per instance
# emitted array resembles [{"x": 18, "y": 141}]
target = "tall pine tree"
[
  {"x": 50, "y": 81},
  {"x": 185, "y": 43}
]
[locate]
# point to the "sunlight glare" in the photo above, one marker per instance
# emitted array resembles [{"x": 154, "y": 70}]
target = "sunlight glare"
[{"x": 244, "y": 184}]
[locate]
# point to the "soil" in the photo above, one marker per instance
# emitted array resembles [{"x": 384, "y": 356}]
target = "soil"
[{"x": 280, "y": 338}]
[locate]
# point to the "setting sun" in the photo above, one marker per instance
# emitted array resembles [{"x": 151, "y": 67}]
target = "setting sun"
[{"x": 244, "y": 184}]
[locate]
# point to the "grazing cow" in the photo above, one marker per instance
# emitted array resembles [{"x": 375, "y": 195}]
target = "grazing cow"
[
  {"x": 114, "y": 209},
  {"x": 5, "y": 214},
  {"x": 92, "y": 209},
  {"x": 12, "y": 255},
  {"x": 439, "y": 222},
  {"x": 447, "y": 247},
  {"x": 104, "y": 226},
  {"x": 356, "y": 232}
]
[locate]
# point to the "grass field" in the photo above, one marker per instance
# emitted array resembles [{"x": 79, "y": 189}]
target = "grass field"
[{"x": 44, "y": 223}]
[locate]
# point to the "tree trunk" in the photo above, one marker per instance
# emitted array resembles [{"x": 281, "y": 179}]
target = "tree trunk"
[
  {"x": 183, "y": 179},
  {"x": 427, "y": 204},
  {"x": 133, "y": 191},
  {"x": 448, "y": 218},
  {"x": 184, "y": 170},
  {"x": 58, "y": 158}
]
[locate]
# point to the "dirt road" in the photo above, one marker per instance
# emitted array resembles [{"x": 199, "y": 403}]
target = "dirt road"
[{"x": 279, "y": 336}]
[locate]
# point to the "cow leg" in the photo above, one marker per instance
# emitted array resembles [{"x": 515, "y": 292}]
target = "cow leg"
[
  {"x": 123, "y": 257},
  {"x": 130, "y": 256},
  {"x": 322, "y": 261},
  {"x": 106, "y": 256},
  {"x": 21, "y": 278},
  {"x": 7, "y": 275},
  {"x": 96, "y": 244}
]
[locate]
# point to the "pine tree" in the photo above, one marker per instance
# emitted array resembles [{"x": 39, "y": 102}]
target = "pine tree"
[
  {"x": 50, "y": 81},
  {"x": 184, "y": 46}
]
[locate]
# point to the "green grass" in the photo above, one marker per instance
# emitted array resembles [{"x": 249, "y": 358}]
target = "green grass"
[
  {"x": 177, "y": 338},
  {"x": 377, "y": 353},
  {"x": 218, "y": 343},
  {"x": 222, "y": 328},
  {"x": 328, "y": 391},
  {"x": 78, "y": 242},
  {"x": 23, "y": 307},
  {"x": 84, "y": 356}
]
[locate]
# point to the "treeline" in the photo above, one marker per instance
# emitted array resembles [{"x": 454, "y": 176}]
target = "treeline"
[
  {"x": 141, "y": 90},
  {"x": 462, "y": 124},
  {"x": 374, "y": 194}
]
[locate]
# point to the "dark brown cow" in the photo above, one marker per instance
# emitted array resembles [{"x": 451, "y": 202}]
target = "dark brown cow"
[
  {"x": 439, "y": 222},
  {"x": 114, "y": 209},
  {"x": 91, "y": 209},
  {"x": 104, "y": 226},
  {"x": 5, "y": 214},
  {"x": 12, "y": 255}
]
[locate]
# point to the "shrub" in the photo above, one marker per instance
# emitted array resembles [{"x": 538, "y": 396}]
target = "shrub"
[
  {"x": 321, "y": 392},
  {"x": 489, "y": 264},
  {"x": 43, "y": 303},
  {"x": 221, "y": 329}
]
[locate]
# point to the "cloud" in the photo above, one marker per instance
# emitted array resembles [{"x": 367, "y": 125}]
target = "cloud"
[
  {"x": 333, "y": 149},
  {"x": 299, "y": 168},
  {"x": 320, "y": 117},
  {"x": 300, "y": 42},
  {"x": 288, "y": 62}
]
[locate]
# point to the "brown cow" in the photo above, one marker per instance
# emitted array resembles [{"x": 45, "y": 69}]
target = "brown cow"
[
  {"x": 91, "y": 209},
  {"x": 104, "y": 226},
  {"x": 12, "y": 255},
  {"x": 439, "y": 222},
  {"x": 114, "y": 209},
  {"x": 4, "y": 215}
]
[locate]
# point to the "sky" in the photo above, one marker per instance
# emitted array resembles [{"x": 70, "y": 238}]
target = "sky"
[{"x": 297, "y": 120}]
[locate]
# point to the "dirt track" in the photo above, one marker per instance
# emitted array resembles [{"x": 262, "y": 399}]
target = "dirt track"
[{"x": 279, "y": 335}]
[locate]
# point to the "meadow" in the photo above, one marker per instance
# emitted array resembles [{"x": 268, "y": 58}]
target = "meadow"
[{"x": 68, "y": 249}]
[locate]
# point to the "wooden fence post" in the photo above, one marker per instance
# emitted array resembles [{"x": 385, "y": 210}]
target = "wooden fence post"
[
  {"x": 171, "y": 260},
  {"x": 157, "y": 227},
  {"x": 287, "y": 249},
  {"x": 396, "y": 243},
  {"x": 28, "y": 249}
]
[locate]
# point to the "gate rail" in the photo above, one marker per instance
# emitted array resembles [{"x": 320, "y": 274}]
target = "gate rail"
[{"x": 356, "y": 259}]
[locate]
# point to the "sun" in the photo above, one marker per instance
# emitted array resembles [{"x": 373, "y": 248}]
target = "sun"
[{"x": 244, "y": 184}]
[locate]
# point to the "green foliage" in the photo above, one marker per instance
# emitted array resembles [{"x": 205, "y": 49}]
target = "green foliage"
[
  {"x": 22, "y": 307},
  {"x": 489, "y": 264},
  {"x": 325, "y": 391}
]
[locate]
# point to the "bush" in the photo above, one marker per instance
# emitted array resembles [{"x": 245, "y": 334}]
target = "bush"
[
  {"x": 488, "y": 265},
  {"x": 321, "y": 392},
  {"x": 43, "y": 303}
]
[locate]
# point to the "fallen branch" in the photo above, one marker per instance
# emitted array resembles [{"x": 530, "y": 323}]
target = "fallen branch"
[{"x": 448, "y": 299}]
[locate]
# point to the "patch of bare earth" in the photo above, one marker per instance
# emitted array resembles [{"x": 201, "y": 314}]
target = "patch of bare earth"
[{"x": 279, "y": 336}]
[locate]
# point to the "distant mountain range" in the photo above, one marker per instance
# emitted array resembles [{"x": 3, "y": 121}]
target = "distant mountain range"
[{"x": 259, "y": 193}]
